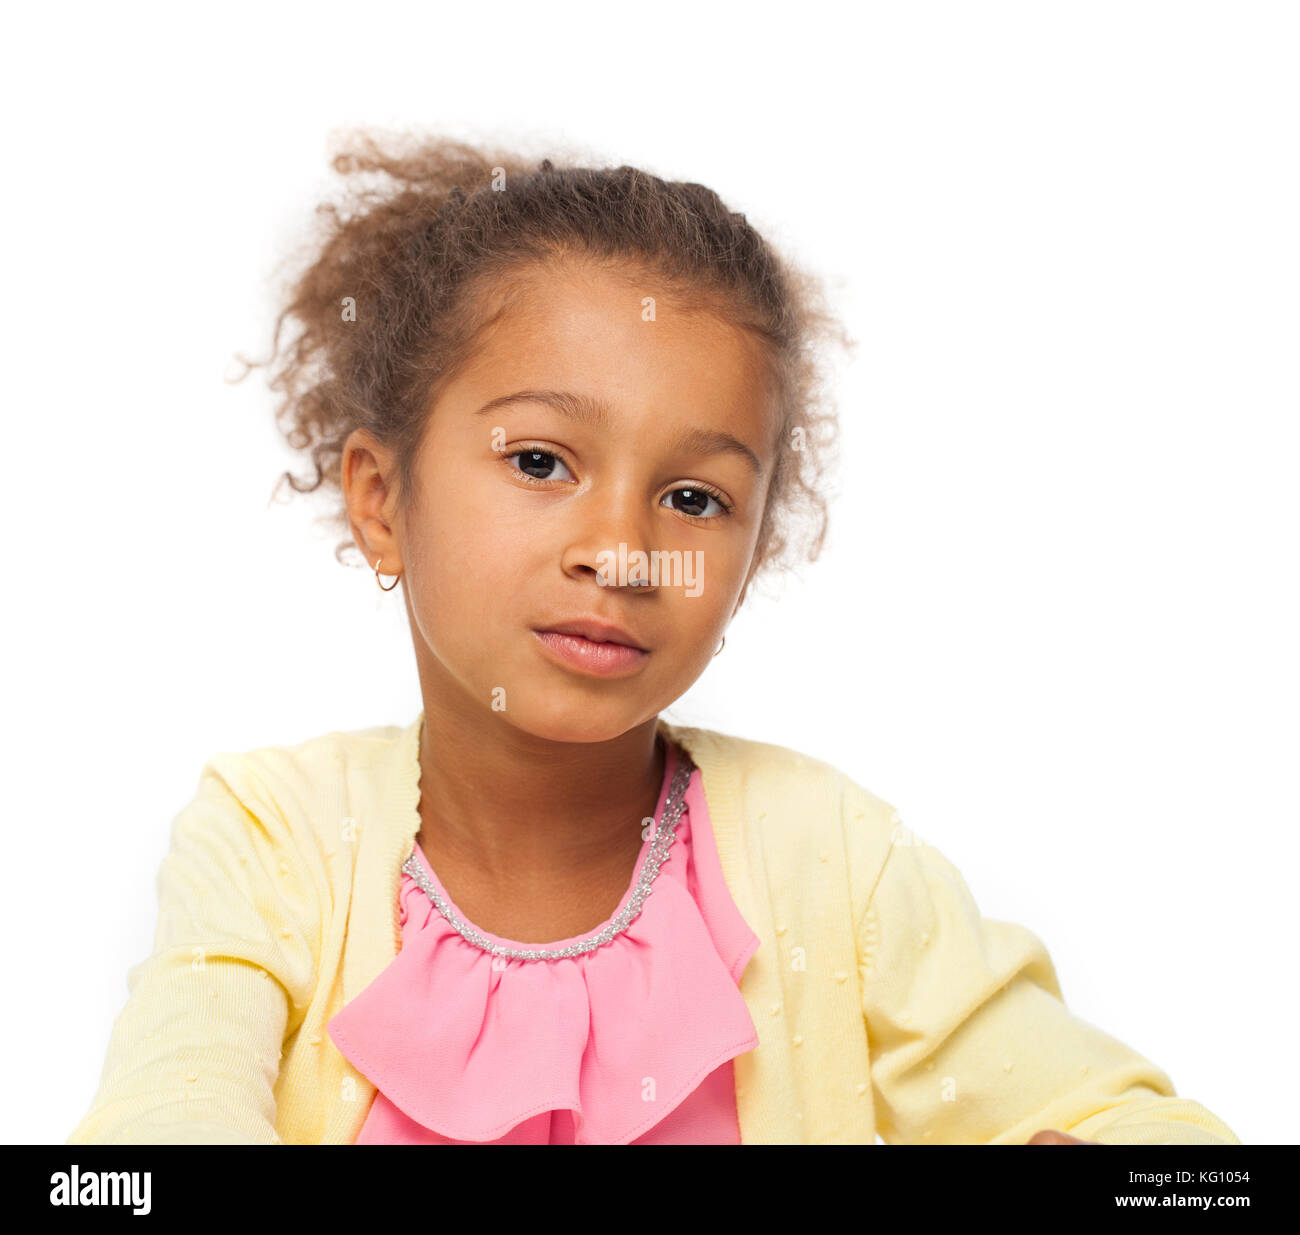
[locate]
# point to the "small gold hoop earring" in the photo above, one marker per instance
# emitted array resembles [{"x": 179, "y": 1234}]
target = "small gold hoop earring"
[
  {"x": 392, "y": 585},
  {"x": 721, "y": 645}
]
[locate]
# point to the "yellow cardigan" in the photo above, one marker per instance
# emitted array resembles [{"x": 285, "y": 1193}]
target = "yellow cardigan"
[{"x": 883, "y": 1001}]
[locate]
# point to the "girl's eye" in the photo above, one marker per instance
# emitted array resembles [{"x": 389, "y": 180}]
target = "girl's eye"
[
  {"x": 697, "y": 496},
  {"x": 539, "y": 461},
  {"x": 544, "y": 461}
]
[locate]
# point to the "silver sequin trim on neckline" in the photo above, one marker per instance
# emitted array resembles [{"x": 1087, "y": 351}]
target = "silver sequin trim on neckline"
[{"x": 654, "y": 859}]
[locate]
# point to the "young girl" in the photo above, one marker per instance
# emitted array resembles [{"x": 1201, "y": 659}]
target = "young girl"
[{"x": 574, "y": 412}]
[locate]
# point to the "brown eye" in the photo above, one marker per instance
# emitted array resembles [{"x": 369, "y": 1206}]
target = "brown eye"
[
  {"x": 691, "y": 498},
  {"x": 532, "y": 462}
]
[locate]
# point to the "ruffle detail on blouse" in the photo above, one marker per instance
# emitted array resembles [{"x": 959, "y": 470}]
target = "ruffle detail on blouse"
[{"x": 469, "y": 1045}]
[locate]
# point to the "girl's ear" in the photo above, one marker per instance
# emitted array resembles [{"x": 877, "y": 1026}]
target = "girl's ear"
[{"x": 366, "y": 469}]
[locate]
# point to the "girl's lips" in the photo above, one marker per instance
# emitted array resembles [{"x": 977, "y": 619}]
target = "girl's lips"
[{"x": 600, "y": 659}]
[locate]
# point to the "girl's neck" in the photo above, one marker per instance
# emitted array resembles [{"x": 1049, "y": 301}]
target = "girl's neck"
[{"x": 505, "y": 802}]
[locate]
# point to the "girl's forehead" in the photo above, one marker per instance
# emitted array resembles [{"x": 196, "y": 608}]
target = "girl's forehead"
[
  {"x": 537, "y": 287},
  {"x": 622, "y": 343},
  {"x": 701, "y": 369},
  {"x": 594, "y": 313}
]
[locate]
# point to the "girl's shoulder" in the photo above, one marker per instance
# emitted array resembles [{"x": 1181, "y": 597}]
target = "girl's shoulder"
[
  {"x": 314, "y": 761},
  {"x": 768, "y": 763},
  {"x": 303, "y": 789},
  {"x": 795, "y": 813},
  {"x": 767, "y": 778}
]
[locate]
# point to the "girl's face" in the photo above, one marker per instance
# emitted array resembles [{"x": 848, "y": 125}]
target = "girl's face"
[{"x": 502, "y": 542}]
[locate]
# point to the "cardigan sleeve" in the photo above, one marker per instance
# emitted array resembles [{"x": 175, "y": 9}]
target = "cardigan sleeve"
[
  {"x": 193, "y": 1057},
  {"x": 970, "y": 1039}
]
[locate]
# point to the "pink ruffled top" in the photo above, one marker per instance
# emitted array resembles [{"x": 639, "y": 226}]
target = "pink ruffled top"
[{"x": 627, "y": 1042}]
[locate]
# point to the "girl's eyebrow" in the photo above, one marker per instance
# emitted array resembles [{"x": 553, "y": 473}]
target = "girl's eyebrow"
[{"x": 585, "y": 409}]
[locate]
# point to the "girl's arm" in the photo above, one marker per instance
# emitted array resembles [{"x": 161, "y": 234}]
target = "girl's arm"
[
  {"x": 971, "y": 1042},
  {"x": 194, "y": 1055}
]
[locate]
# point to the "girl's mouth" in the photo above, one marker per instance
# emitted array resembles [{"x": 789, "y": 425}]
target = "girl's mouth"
[{"x": 587, "y": 656}]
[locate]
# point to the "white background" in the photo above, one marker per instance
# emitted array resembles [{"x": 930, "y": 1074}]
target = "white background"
[{"x": 1055, "y": 625}]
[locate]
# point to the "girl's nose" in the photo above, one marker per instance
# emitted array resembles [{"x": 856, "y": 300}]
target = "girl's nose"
[{"x": 614, "y": 542}]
